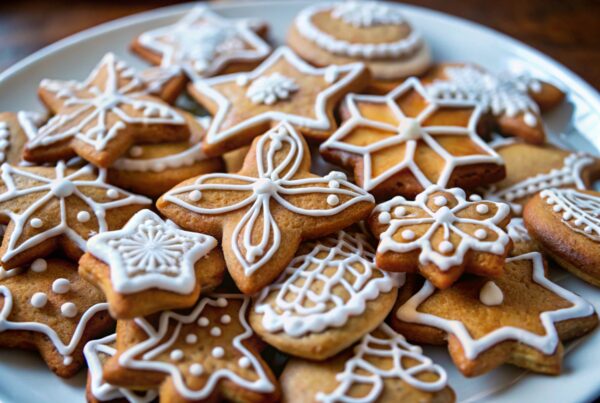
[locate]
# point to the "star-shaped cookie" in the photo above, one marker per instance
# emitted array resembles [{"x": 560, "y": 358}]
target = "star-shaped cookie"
[
  {"x": 283, "y": 87},
  {"x": 263, "y": 212},
  {"x": 404, "y": 141},
  {"x": 520, "y": 318}
]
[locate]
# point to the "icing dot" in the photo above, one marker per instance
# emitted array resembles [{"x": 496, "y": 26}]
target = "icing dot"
[
  {"x": 242, "y": 80},
  {"x": 68, "y": 310},
  {"x": 36, "y": 222},
  {"x": 135, "y": 151},
  {"x": 440, "y": 201},
  {"x": 399, "y": 212},
  {"x": 225, "y": 319},
  {"x": 196, "y": 369},
  {"x": 408, "y": 235},
  {"x": 333, "y": 200},
  {"x": 263, "y": 186},
  {"x": 112, "y": 193},
  {"x": 530, "y": 119},
  {"x": 68, "y": 360},
  {"x": 334, "y": 184},
  {"x": 222, "y": 302},
  {"x": 176, "y": 355},
  {"x": 490, "y": 294},
  {"x": 39, "y": 265},
  {"x": 39, "y": 299},
  {"x": 62, "y": 188},
  {"x": 191, "y": 338},
  {"x": 61, "y": 286},
  {"x": 218, "y": 352},
  {"x": 203, "y": 321},
  {"x": 481, "y": 234},
  {"x": 83, "y": 216},
  {"x": 475, "y": 198},
  {"x": 215, "y": 331},
  {"x": 446, "y": 247},
  {"x": 195, "y": 195},
  {"x": 244, "y": 362},
  {"x": 482, "y": 209},
  {"x": 384, "y": 218}
]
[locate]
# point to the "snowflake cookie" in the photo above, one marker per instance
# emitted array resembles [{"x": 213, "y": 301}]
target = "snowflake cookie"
[{"x": 442, "y": 234}]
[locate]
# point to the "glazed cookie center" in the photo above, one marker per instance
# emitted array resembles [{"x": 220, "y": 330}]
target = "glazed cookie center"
[
  {"x": 264, "y": 186},
  {"x": 62, "y": 188},
  {"x": 409, "y": 129},
  {"x": 107, "y": 101}
]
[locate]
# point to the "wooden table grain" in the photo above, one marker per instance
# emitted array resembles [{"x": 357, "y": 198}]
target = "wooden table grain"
[{"x": 567, "y": 30}]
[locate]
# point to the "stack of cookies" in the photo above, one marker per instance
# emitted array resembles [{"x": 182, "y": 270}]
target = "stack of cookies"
[{"x": 339, "y": 203}]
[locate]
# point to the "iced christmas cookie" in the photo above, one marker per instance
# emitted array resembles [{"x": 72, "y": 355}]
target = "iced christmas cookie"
[
  {"x": 263, "y": 212},
  {"x": 151, "y": 265},
  {"x": 522, "y": 241},
  {"x": 373, "y": 32},
  {"x": 328, "y": 297},
  {"x": 15, "y": 130},
  {"x": 404, "y": 141},
  {"x": 48, "y": 207},
  {"x": 382, "y": 367},
  {"x": 283, "y": 87},
  {"x": 566, "y": 223},
  {"x": 204, "y": 44},
  {"x": 51, "y": 309},
  {"x": 520, "y": 318},
  {"x": 166, "y": 83},
  {"x": 514, "y": 101},
  {"x": 207, "y": 354},
  {"x": 442, "y": 234},
  {"x": 531, "y": 169},
  {"x": 100, "y": 118}
]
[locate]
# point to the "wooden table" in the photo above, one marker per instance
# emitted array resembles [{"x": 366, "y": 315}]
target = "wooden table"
[{"x": 567, "y": 30}]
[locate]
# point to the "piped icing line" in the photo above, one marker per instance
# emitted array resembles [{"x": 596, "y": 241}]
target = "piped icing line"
[
  {"x": 149, "y": 253},
  {"x": 517, "y": 231},
  {"x": 30, "y": 122},
  {"x": 5, "y": 138},
  {"x": 579, "y": 211},
  {"x": 399, "y": 48},
  {"x": 203, "y": 43},
  {"x": 445, "y": 255},
  {"x": 151, "y": 347},
  {"x": 273, "y": 184},
  {"x": 546, "y": 343},
  {"x": 311, "y": 312},
  {"x": 61, "y": 187},
  {"x": 345, "y": 75},
  {"x": 360, "y": 371},
  {"x": 409, "y": 133},
  {"x": 104, "y": 391}
]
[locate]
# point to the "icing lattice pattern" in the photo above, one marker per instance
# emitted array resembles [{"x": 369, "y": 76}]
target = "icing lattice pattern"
[{"x": 580, "y": 211}]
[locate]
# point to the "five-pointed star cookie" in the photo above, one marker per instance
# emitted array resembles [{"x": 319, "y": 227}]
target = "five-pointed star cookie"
[
  {"x": 150, "y": 265},
  {"x": 101, "y": 117},
  {"x": 45, "y": 207},
  {"x": 283, "y": 87},
  {"x": 51, "y": 309},
  {"x": 404, "y": 141},
  {"x": 262, "y": 213},
  {"x": 520, "y": 318}
]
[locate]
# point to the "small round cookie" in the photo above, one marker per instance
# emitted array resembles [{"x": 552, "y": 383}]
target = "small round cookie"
[
  {"x": 566, "y": 223},
  {"x": 372, "y": 32},
  {"x": 328, "y": 297}
]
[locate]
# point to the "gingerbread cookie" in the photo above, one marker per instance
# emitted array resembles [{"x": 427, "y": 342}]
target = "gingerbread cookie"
[
  {"x": 372, "y": 32},
  {"x": 151, "y": 265},
  {"x": 520, "y": 237},
  {"x": 566, "y": 223},
  {"x": 166, "y": 83},
  {"x": 204, "y": 355},
  {"x": 382, "y": 368},
  {"x": 520, "y": 318},
  {"x": 442, "y": 234},
  {"x": 328, "y": 297},
  {"x": 402, "y": 142},
  {"x": 551, "y": 167},
  {"x": 47, "y": 207},
  {"x": 514, "y": 101},
  {"x": 15, "y": 130},
  {"x": 264, "y": 211},
  {"x": 51, "y": 309},
  {"x": 283, "y": 87},
  {"x": 100, "y": 118}
]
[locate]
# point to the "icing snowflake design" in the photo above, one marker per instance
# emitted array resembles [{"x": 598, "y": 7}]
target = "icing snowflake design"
[
  {"x": 367, "y": 13},
  {"x": 517, "y": 231},
  {"x": 104, "y": 391},
  {"x": 568, "y": 175},
  {"x": 344, "y": 261},
  {"x": 151, "y": 253},
  {"x": 502, "y": 94},
  {"x": 275, "y": 183},
  {"x": 448, "y": 214},
  {"x": 203, "y": 43},
  {"x": 413, "y": 132},
  {"x": 545, "y": 342},
  {"x": 174, "y": 326},
  {"x": 580, "y": 211},
  {"x": 67, "y": 189},
  {"x": 384, "y": 344},
  {"x": 96, "y": 110},
  {"x": 270, "y": 89}
]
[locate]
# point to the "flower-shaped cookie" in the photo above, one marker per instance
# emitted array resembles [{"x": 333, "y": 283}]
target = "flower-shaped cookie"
[{"x": 442, "y": 235}]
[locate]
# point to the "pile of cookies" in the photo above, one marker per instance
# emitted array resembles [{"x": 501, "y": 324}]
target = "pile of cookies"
[{"x": 201, "y": 258}]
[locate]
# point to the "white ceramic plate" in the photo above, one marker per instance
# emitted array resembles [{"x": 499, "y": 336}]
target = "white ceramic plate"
[{"x": 24, "y": 377}]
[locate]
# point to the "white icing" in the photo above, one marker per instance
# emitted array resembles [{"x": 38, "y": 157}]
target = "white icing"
[
  {"x": 579, "y": 211},
  {"x": 83, "y": 216},
  {"x": 215, "y": 331},
  {"x": 196, "y": 369},
  {"x": 61, "y": 286},
  {"x": 39, "y": 300},
  {"x": 5, "y": 138},
  {"x": 218, "y": 352},
  {"x": 367, "y": 13},
  {"x": 176, "y": 355},
  {"x": 39, "y": 265},
  {"x": 191, "y": 338},
  {"x": 68, "y": 310},
  {"x": 517, "y": 231},
  {"x": 271, "y": 88},
  {"x": 490, "y": 294},
  {"x": 225, "y": 319},
  {"x": 203, "y": 322},
  {"x": 36, "y": 222}
]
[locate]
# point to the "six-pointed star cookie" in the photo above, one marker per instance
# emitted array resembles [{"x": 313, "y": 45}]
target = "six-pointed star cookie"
[
  {"x": 150, "y": 265},
  {"x": 442, "y": 234},
  {"x": 265, "y": 210},
  {"x": 100, "y": 118},
  {"x": 404, "y": 141},
  {"x": 51, "y": 309},
  {"x": 283, "y": 87},
  {"x": 204, "y": 44},
  {"x": 50, "y": 206},
  {"x": 520, "y": 318}
]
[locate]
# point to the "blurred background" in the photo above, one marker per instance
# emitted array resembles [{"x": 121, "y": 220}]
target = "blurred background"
[{"x": 567, "y": 30}]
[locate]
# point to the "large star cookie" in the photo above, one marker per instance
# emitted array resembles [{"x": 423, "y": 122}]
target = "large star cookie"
[
  {"x": 404, "y": 141},
  {"x": 520, "y": 318},
  {"x": 283, "y": 87},
  {"x": 265, "y": 210}
]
